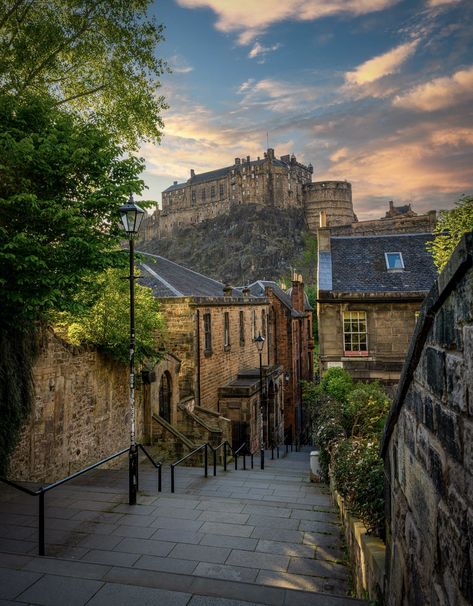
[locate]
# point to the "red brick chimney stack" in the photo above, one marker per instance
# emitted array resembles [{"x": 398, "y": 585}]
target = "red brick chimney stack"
[{"x": 297, "y": 294}]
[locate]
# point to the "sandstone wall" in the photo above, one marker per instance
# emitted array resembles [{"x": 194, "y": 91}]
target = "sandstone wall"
[
  {"x": 428, "y": 450},
  {"x": 80, "y": 412},
  {"x": 333, "y": 198},
  {"x": 400, "y": 224}
]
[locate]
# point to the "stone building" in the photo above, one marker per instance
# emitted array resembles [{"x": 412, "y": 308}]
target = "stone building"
[
  {"x": 290, "y": 344},
  {"x": 370, "y": 289},
  {"x": 211, "y": 330},
  {"x": 428, "y": 450}
]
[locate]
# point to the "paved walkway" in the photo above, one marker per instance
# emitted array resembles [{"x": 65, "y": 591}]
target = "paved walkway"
[{"x": 240, "y": 538}]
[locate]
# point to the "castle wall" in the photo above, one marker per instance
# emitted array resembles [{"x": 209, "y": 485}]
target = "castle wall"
[
  {"x": 332, "y": 197},
  {"x": 400, "y": 224}
]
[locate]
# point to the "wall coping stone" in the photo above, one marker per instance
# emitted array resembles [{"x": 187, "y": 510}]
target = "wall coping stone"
[{"x": 458, "y": 264}]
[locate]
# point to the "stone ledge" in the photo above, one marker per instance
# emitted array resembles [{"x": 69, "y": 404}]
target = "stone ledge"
[{"x": 367, "y": 554}]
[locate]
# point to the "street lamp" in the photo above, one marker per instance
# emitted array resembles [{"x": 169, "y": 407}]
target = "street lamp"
[
  {"x": 132, "y": 216},
  {"x": 259, "y": 340}
]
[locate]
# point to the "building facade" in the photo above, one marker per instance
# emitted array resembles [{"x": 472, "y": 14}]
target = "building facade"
[{"x": 370, "y": 290}]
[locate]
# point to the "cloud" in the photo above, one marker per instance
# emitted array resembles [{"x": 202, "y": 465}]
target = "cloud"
[
  {"x": 439, "y": 93},
  {"x": 441, "y": 2},
  {"x": 261, "y": 51},
  {"x": 382, "y": 65},
  {"x": 277, "y": 95},
  {"x": 179, "y": 65},
  {"x": 340, "y": 154},
  {"x": 250, "y": 19}
]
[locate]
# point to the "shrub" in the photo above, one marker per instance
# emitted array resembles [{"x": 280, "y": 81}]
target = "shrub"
[{"x": 337, "y": 383}]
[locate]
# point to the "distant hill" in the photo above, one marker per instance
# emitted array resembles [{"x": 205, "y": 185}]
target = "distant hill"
[{"x": 252, "y": 242}]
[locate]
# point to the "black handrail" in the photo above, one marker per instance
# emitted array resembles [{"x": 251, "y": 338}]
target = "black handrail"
[
  {"x": 190, "y": 454},
  {"x": 44, "y": 489},
  {"x": 246, "y": 451}
]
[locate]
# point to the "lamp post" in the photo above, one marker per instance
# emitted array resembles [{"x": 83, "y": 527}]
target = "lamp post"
[
  {"x": 131, "y": 216},
  {"x": 260, "y": 344}
]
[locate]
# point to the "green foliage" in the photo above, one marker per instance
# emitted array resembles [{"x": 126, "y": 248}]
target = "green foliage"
[
  {"x": 105, "y": 325},
  {"x": 337, "y": 383},
  {"x": 348, "y": 420},
  {"x": 452, "y": 224},
  {"x": 95, "y": 57},
  {"x": 358, "y": 474},
  {"x": 61, "y": 183},
  {"x": 17, "y": 355}
]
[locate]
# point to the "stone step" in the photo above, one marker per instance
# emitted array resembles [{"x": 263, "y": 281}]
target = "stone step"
[{"x": 23, "y": 578}]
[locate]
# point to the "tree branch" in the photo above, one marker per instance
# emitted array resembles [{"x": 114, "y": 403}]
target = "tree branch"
[{"x": 91, "y": 91}]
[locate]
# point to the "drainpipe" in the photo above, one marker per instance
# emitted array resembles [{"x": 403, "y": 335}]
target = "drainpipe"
[{"x": 198, "y": 356}]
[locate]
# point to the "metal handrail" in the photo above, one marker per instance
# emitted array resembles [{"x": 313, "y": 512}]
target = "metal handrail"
[
  {"x": 246, "y": 451},
  {"x": 44, "y": 489},
  {"x": 190, "y": 454}
]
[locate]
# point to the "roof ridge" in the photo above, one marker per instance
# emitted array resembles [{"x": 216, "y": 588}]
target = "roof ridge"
[{"x": 182, "y": 267}]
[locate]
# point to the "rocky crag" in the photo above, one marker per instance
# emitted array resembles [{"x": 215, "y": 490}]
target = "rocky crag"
[{"x": 251, "y": 242}]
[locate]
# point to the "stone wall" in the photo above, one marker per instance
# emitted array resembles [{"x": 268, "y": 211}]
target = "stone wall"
[
  {"x": 80, "y": 412},
  {"x": 331, "y": 197},
  {"x": 398, "y": 225},
  {"x": 390, "y": 326},
  {"x": 428, "y": 450}
]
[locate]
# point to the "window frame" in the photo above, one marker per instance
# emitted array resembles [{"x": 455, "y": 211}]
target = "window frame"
[
  {"x": 226, "y": 329},
  {"x": 355, "y": 339},
  {"x": 207, "y": 317},
  {"x": 242, "y": 327},
  {"x": 386, "y": 255}
]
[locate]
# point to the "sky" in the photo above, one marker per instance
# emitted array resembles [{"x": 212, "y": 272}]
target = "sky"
[{"x": 377, "y": 92}]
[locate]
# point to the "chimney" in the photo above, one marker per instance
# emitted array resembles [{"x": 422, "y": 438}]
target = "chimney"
[
  {"x": 175, "y": 182},
  {"x": 227, "y": 291},
  {"x": 247, "y": 158},
  {"x": 323, "y": 239},
  {"x": 391, "y": 205},
  {"x": 323, "y": 219},
  {"x": 237, "y": 160},
  {"x": 192, "y": 173},
  {"x": 246, "y": 293},
  {"x": 297, "y": 293},
  {"x": 270, "y": 153}
]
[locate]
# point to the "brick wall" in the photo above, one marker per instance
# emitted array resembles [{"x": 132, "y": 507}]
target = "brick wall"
[
  {"x": 80, "y": 412},
  {"x": 428, "y": 450}
]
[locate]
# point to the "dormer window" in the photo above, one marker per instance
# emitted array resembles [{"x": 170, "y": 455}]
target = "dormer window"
[{"x": 394, "y": 261}]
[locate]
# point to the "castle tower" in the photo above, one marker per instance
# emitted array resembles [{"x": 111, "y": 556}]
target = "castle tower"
[{"x": 332, "y": 197}]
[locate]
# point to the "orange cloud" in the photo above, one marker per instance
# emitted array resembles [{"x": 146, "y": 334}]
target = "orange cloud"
[
  {"x": 383, "y": 65},
  {"x": 252, "y": 18},
  {"x": 439, "y": 93}
]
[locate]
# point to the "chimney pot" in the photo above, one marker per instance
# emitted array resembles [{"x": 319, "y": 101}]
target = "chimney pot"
[{"x": 192, "y": 173}]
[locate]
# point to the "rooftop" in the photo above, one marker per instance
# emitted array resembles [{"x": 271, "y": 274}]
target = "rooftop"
[{"x": 358, "y": 264}]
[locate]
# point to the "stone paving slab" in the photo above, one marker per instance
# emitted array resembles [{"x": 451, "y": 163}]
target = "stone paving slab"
[{"x": 276, "y": 540}]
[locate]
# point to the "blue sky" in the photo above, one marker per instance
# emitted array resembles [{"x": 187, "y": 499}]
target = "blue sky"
[{"x": 377, "y": 92}]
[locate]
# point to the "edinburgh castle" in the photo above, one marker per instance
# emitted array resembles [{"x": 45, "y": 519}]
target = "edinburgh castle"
[{"x": 283, "y": 183}]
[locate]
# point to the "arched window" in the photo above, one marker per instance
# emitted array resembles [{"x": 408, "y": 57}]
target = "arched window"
[{"x": 165, "y": 393}]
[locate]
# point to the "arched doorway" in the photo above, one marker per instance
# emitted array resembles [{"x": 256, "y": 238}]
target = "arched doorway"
[{"x": 165, "y": 396}]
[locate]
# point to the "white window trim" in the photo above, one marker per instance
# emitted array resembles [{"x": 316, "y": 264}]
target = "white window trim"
[{"x": 387, "y": 262}]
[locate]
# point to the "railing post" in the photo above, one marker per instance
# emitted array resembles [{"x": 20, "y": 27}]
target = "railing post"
[
  {"x": 172, "y": 478},
  {"x": 41, "y": 523},
  {"x": 224, "y": 456},
  {"x": 236, "y": 460},
  {"x": 251, "y": 460},
  {"x": 206, "y": 462},
  {"x": 277, "y": 451},
  {"x": 272, "y": 452},
  {"x": 215, "y": 462},
  {"x": 159, "y": 479},
  {"x": 262, "y": 458},
  {"x": 244, "y": 461}
]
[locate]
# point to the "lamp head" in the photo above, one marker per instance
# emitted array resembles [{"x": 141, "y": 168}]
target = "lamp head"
[
  {"x": 259, "y": 342},
  {"x": 132, "y": 216}
]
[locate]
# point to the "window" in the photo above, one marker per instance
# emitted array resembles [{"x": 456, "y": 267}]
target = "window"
[
  {"x": 212, "y": 191},
  {"x": 263, "y": 323},
  {"x": 202, "y": 194},
  {"x": 394, "y": 260},
  {"x": 221, "y": 190},
  {"x": 226, "y": 329},
  {"x": 355, "y": 334},
  {"x": 253, "y": 326},
  {"x": 207, "y": 333},
  {"x": 242, "y": 328},
  {"x": 193, "y": 197}
]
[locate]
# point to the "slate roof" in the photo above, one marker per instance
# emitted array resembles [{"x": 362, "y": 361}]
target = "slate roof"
[
  {"x": 219, "y": 173},
  {"x": 168, "y": 279},
  {"x": 257, "y": 289},
  {"x": 358, "y": 264}
]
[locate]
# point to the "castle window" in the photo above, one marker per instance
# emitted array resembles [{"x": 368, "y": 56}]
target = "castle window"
[
  {"x": 355, "y": 333},
  {"x": 242, "y": 328},
  {"x": 226, "y": 329},
  {"x": 207, "y": 333},
  {"x": 394, "y": 260},
  {"x": 212, "y": 191},
  {"x": 253, "y": 326},
  {"x": 221, "y": 190},
  {"x": 193, "y": 197},
  {"x": 233, "y": 187},
  {"x": 263, "y": 323},
  {"x": 202, "y": 194}
]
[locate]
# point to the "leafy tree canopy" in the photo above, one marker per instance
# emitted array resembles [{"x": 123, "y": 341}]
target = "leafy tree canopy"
[
  {"x": 95, "y": 56},
  {"x": 452, "y": 224},
  {"x": 106, "y": 323},
  {"x": 61, "y": 183}
]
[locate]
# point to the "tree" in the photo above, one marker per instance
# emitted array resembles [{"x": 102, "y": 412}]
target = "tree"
[
  {"x": 105, "y": 325},
  {"x": 94, "y": 56},
  {"x": 61, "y": 183},
  {"x": 452, "y": 224}
]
